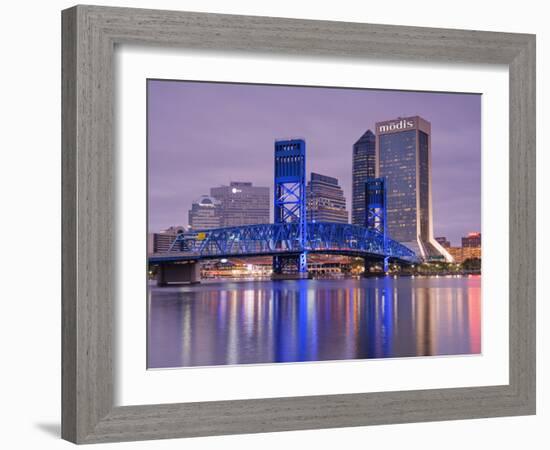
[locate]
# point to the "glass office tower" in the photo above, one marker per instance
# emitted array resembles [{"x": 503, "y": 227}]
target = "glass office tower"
[
  {"x": 403, "y": 157},
  {"x": 363, "y": 167}
]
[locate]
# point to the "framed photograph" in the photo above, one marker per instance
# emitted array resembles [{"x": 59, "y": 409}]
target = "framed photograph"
[{"x": 276, "y": 224}]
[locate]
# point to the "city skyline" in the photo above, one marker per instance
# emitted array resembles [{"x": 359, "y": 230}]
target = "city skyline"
[{"x": 203, "y": 135}]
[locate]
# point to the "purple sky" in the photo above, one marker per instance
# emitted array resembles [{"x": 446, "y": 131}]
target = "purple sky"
[{"x": 208, "y": 134}]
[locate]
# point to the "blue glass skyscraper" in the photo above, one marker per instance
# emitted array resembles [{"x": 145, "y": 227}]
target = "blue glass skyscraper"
[
  {"x": 363, "y": 168},
  {"x": 403, "y": 158}
]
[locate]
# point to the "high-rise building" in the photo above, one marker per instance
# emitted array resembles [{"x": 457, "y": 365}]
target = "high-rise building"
[
  {"x": 241, "y": 203},
  {"x": 325, "y": 201},
  {"x": 363, "y": 167},
  {"x": 205, "y": 213},
  {"x": 403, "y": 158},
  {"x": 472, "y": 240}
]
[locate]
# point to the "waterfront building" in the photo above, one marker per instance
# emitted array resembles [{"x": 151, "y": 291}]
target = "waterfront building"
[
  {"x": 471, "y": 253},
  {"x": 325, "y": 201},
  {"x": 456, "y": 253},
  {"x": 472, "y": 240},
  {"x": 161, "y": 242},
  {"x": 445, "y": 243},
  {"x": 363, "y": 167},
  {"x": 471, "y": 246},
  {"x": 205, "y": 213},
  {"x": 403, "y": 158},
  {"x": 461, "y": 254},
  {"x": 241, "y": 203}
]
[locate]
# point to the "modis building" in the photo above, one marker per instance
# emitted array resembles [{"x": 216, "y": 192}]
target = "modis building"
[{"x": 403, "y": 157}]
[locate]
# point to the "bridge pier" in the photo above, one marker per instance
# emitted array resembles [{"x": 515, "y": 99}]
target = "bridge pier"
[{"x": 186, "y": 273}]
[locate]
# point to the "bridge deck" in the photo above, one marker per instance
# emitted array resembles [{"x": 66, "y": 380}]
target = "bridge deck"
[{"x": 164, "y": 257}]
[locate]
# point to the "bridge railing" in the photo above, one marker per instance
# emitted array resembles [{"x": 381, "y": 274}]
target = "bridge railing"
[{"x": 285, "y": 238}]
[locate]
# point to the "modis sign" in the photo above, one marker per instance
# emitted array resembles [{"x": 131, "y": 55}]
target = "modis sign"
[{"x": 398, "y": 125}]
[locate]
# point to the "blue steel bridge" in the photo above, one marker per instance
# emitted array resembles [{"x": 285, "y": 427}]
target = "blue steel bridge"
[
  {"x": 291, "y": 238},
  {"x": 282, "y": 239}
]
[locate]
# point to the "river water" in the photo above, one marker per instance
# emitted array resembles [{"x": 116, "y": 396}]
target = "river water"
[{"x": 251, "y": 322}]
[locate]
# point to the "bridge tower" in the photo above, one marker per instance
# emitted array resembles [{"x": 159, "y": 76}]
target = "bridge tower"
[
  {"x": 375, "y": 211},
  {"x": 290, "y": 199}
]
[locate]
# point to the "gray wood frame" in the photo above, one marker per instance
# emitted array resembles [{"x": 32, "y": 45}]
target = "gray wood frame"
[{"x": 89, "y": 36}]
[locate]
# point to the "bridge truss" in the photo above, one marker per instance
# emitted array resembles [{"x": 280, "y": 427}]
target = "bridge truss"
[
  {"x": 285, "y": 238},
  {"x": 290, "y": 202}
]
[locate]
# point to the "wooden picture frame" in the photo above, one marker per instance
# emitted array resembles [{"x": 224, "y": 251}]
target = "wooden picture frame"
[{"x": 90, "y": 34}]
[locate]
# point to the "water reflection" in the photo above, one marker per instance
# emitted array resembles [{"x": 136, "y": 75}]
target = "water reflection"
[{"x": 312, "y": 320}]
